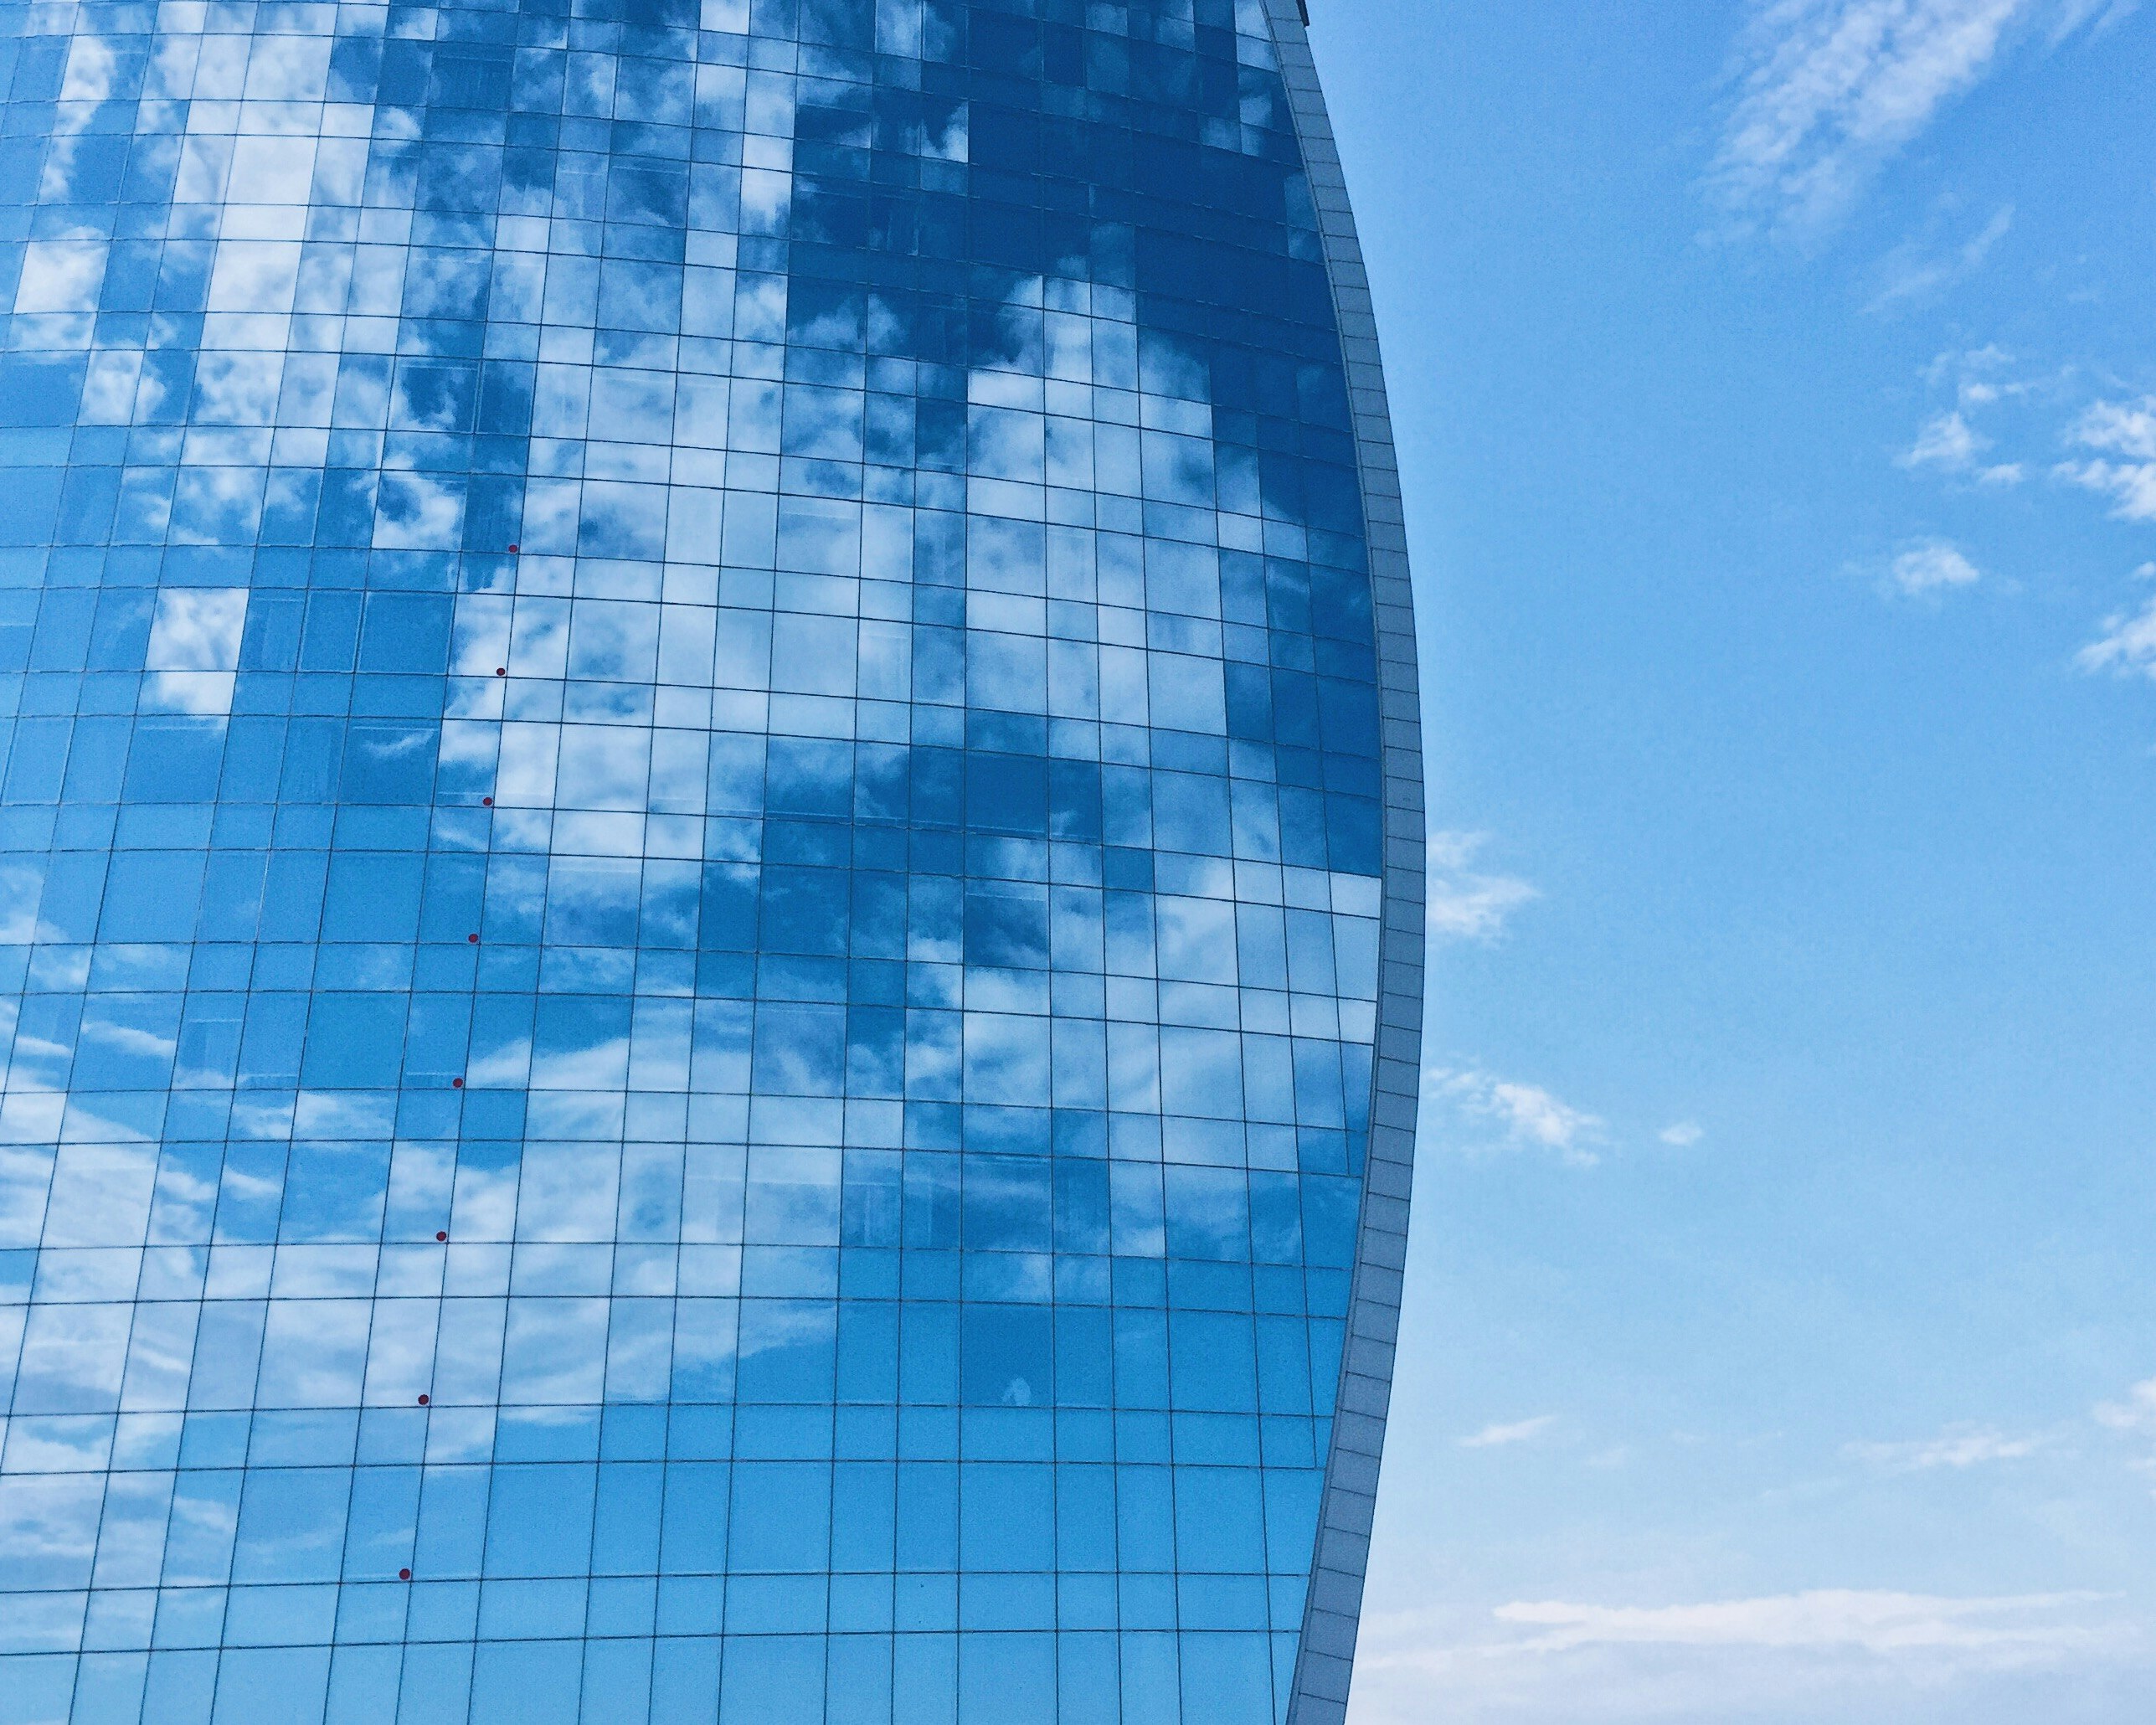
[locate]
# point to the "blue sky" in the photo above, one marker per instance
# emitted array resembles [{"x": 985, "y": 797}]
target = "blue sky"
[{"x": 1776, "y": 390}]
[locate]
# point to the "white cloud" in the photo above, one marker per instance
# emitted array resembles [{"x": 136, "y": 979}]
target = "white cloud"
[
  {"x": 2136, "y": 1413},
  {"x": 2126, "y": 428},
  {"x": 2127, "y": 645},
  {"x": 1947, "y": 442},
  {"x": 60, "y": 275},
  {"x": 1881, "y": 1657},
  {"x": 1828, "y": 91},
  {"x": 1683, "y": 1135},
  {"x": 194, "y": 647},
  {"x": 1529, "y": 1116},
  {"x": 2135, "y": 1416},
  {"x": 1972, "y": 369},
  {"x": 1521, "y": 1431},
  {"x": 1875, "y": 1621},
  {"x": 1465, "y": 903},
  {"x": 1919, "y": 269},
  {"x": 2132, "y": 484},
  {"x": 1932, "y": 568},
  {"x": 206, "y": 693},
  {"x": 198, "y": 629},
  {"x": 1959, "y": 1447},
  {"x": 2072, "y": 14}
]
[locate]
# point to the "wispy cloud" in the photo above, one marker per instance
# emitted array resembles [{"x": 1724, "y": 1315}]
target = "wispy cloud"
[
  {"x": 1827, "y": 1654},
  {"x": 1975, "y": 373},
  {"x": 2127, "y": 645},
  {"x": 2126, "y": 425},
  {"x": 1875, "y": 1621},
  {"x": 1959, "y": 1447},
  {"x": 1921, "y": 268},
  {"x": 1933, "y": 568},
  {"x": 2070, "y": 15},
  {"x": 2133, "y": 1416},
  {"x": 1683, "y": 1135},
  {"x": 1951, "y": 442},
  {"x": 1466, "y": 903},
  {"x": 1829, "y": 90},
  {"x": 1527, "y": 1116},
  {"x": 1947, "y": 441},
  {"x": 1520, "y": 1431},
  {"x": 2126, "y": 430},
  {"x": 2136, "y": 1412}
]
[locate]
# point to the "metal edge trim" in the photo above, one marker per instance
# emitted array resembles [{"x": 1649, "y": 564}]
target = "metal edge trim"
[{"x": 1332, "y": 1609}]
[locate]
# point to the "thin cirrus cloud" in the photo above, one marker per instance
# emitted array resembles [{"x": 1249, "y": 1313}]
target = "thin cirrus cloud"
[
  {"x": 1948, "y": 443},
  {"x": 2135, "y": 1412},
  {"x": 1961, "y": 1447},
  {"x": 1919, "y": 269},
  {"x": 2127, "y": 645},
  {"x": 2011, "y": 1629},
  {"x": 1466, "y": 903},
  {"x": 1525, "y": 1116},
  {"x": 1827, "y": 91},
  {"x": 1502, "y": 1436},
  {"x": 2122, "y": 437},
  {"x": 2133, "y": 1416},
  {"x": 1823, "y": 1654},
  {"x": 1926, "y": 570}
]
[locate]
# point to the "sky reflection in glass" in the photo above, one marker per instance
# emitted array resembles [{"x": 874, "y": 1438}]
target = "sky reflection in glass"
[{"x": 692, "y": 863}]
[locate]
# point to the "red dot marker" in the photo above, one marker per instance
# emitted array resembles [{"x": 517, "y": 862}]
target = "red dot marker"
[
  {"x": 403, "y": 1575},
  {"x": 456, "y": 1083},
  {"x": 473, "y": 939},
  {"x": 441, "y": 1234},
  {"x": 422, "y": 1401},
  {"x": 500, "y": 670},
  {"x": 513, "y": 548},
  {"x": 486, "y": 802}
]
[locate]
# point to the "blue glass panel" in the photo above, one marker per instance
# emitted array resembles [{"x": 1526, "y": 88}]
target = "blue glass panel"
[{"x": 690, "y": 862}]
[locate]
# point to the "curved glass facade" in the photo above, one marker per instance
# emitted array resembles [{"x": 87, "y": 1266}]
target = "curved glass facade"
[{"x": 707, "y": 709}]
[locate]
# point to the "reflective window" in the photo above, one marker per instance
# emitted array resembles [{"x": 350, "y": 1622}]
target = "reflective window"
[{"x": 689, "y": 862}]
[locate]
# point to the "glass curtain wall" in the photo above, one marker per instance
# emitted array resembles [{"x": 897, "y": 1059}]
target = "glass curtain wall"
[{"x": 689, "y": 865}]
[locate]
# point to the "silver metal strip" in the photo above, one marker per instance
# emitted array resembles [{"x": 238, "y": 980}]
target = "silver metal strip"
[{"x": 1325, "y": 1661}]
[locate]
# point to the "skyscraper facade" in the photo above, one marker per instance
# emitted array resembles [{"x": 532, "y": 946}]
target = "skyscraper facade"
[{"x": 710, "y": 866}]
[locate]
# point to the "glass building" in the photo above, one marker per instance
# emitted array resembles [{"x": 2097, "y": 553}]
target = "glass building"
[{"x": 710, "y": 870}]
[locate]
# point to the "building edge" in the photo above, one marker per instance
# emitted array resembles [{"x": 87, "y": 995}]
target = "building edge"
[{"x": 1333, "y": 1607}]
